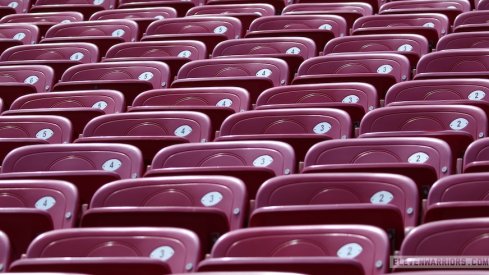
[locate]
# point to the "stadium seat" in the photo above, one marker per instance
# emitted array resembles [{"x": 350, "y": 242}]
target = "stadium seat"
[
  {"x": 87, "y": 166},
  {"x": 300, "y": 127},
  {"x": 217, "y": 104},
  {"x": 464, "y": 40},
  {"x": 449, "y": 8},
  {"x": 43, "y": 21},
  {"x": 253, "y": 74},
  {"x": 17, "y": 34},
  {"x": 476, "y": 158},
  {"x": 340, "y": 249},
  {"x": 11, "y": 7},
  {"x": 148, "y": 131},
  {"x": 180, "y": 6},
  {"x": 387, "y": 201},
  {"x": 130, "y": 78},
  {"x": 319, "y": 28},
  {"x": 251, "y": 161},
  {"x": 58, "y": 56},
  {"x": 112, "y": 250},
  {"x": 354, "y": 98},
  {"x": 381, "y": 70},
  {"x": 79, "y": 107},
  {"x": 471, "y": 21},
  {"x": 424, "y": 160},
  {"x": 103, "y": 33},
  {"x": 374, "y": 4},
  {"x": 483, "y": 5},
  {"x": 85, "y": 7},
  {"x": 210, "y": 30},
  {"x": 208, "y": 206}
]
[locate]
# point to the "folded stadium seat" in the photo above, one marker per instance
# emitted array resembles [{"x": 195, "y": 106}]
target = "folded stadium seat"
[
  {"x": 179, "y": 5},
  {"x": 142, "y": 16},
  {"x": 31, "y": 207},
  {"x": 412, "y": 46},
  {"x": 458, "y": 197},
  {"x": 174, "y": 53},
  {"x": 217, "y": 104},
  {"x": 301, "y": 127},
  {"x": 387, "y": 201},
  {"x": 27, "y": 130},
  {"x": 352, "y": 97},
  {"x": 17, "y": 6},
  {"x": 79, "y": 106},
  {"x": 245, "y": 13},
  {"x": 130, "y": 78},
  {"x": 17, "y": 34},
  {"x": 58, "y": 56},
  {"x": 476, "y": 158},
  {"x": 148, "y": 131},
  {"x": 456, "y": 63},
  {"x": 450, "y": 8},
  {"x": 103, "y": 33},
  {"x": 458, "y": 125},
  {"x": 251, "y": 161},
  {"x": 209, "y": 206},
  {"x": 381, "y": 70},
  {"x": 85, "y": 7},
  {"x": 5, "y": 252},
  {"x": 471, "y": 21},
  {"x": 87, "y": 166},
  {"x": 424, "y": 160},
  {"x": 430, "y": 25},
  {"x": 210, "y": 30},
  {"x": 293, "y": 50},
  {"x": 16, "y": 81},
  {"x": 100, "y": 251},
  {"x": 252, "y": 74},
  {"x": 44, "y": 21},
  {"x": 314, "y": 249},
  {"x": 320, "y": 28},
  {"x": 464, "y": 40},
  {"x": 350, "y": 11}
]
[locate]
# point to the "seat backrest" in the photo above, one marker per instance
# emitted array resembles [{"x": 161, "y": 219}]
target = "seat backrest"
[
  {"x": 81, "y": 52},
  {"x": 271, "y": 68},
  {"x": 274, "y": 155},
  {"x": 48, "y": 17},
  {"x": 105, "y": 4},
  {"x": 477, "y": 152},
  {"x": 469, "y": 187},
  {"x": 108, "y": 101},
  {"x": 192, "y": 126},
  {"x": 363, "y": 9},
  {"x": 223, "y": 193},
  {"x": 460, "y": 5},
  {"x": 258, "y": 9},
  {"x": 463, "y": 40},
  {"x": 336, "y": 188},
  {"x": 156, "y": 13},
  {"x": 25, "y": 33},
  {"x": 39, "y": 76},
  {"x": 122, "y": 28},
  {"x": 124, "y": 4},
  {"x": 58, "y": 198},
  {"x": 454, "y": 61},
  {"x": 156, "y": 73},
  {"x": 20, "y": 6},
  {"x": 483, "y": 5},
  {"x": 122, "y": 159},
  {"x": 177, "y": 247},
  {"x": 365, "y": 244},
  {"x": 471, "y": 17},
  {"x": 230, "y": 27},
  {"x": 190, "y": 49},
  {"x": 53, "y": 129}
]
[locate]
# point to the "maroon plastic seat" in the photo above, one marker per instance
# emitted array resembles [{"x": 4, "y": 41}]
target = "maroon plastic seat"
[
  {"x": 253, "y": 74},
  {"x": 387, "y": 201},
  {"x": 217, "y": 104},
  {"x": 142, "y": 16},
  {"x": 463, "y": 40},
  {"x": 424, "y": 160},
  {"x": 174, "y": 53},
  {"x": 320, "y": 28},
  {"x": 350, "y": 11},
  {"x": 44, "y": 21},
  {"x": 354, "y": 98},
  {"x": 251, "y": 161},
  {"x": 472, "y": 21},
  {"x": 209, "y": 206},
  {"x": 59, "y": 56},
  {"x": 87, "y": 166},
  {"x": 17, "y": 34},
  {"x": 245, "y": 13},
  {"x": 85, "y": 7},
  {"x": 148, "y": 131},
  {"x": 210, "y": 30},
  {"x": 458, "y": 125},
  {"x": 112, "y": 250},
  {"x": 293, "y": 50},
  {"x": 180, "y": 6},
  {"x": 103, "y": 33},
  {"x": 79, "y": 106},
  {"x": 410, "y": 45},
  {"x": 483, "y": 5},
  {"x": 10, "y": 7},
  {"x": 382, "y": 70},
  {"x": 301, "y": 127},
  {"x": 339, "y": 249},
  {"x": 130, "y": 78},
  {"x": 476, "y": 158},
  {"x": 430, "y": 25}
]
